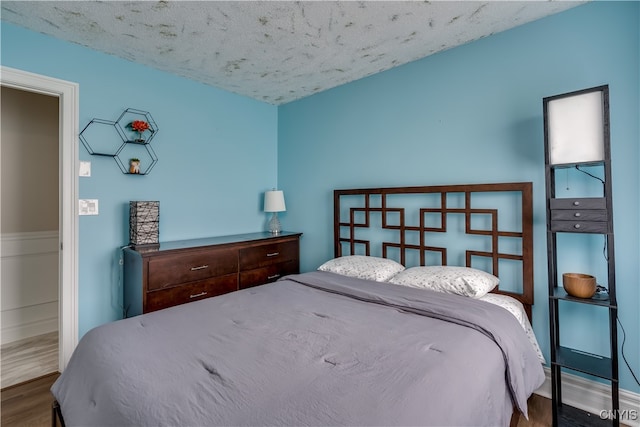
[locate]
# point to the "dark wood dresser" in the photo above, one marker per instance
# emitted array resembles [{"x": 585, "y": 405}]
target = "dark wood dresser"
[{"x": 189, "y": 270}]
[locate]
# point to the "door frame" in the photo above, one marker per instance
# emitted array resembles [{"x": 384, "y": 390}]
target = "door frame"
[{"x": 68, "y": 96}]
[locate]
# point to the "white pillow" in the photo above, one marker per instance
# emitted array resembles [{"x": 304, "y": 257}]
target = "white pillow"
[
  {"x": 464, "y": 281},
  {"x": 363, "y": 267},
  {"x": 515, "y": 307}
]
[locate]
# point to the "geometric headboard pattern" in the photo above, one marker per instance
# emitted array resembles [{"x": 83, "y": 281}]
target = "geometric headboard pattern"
[{"x": 408, "y": 223}]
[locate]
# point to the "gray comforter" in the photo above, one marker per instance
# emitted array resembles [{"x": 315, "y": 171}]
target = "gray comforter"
[{"x": 313, "y": 349}]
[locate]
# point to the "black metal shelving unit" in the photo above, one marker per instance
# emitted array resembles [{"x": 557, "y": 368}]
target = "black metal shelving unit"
[{"x": 581, "y": 215}]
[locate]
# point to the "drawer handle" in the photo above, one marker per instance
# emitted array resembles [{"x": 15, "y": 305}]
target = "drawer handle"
[
  {"x": 577, "y": 215},
  {"x": 274, "y": 254},
  {"x": 275, "y": 276},
  {"x": 202, "y": 267},
  {"x": 576, "y": 203},
  {"x": 576, "y": 226},
  {"x": 201, "y": 294}
]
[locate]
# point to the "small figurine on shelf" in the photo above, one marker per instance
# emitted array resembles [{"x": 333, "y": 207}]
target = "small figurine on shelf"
[
  {"x": 134, "y": 165},
  {"x": 141, "y": 127}
]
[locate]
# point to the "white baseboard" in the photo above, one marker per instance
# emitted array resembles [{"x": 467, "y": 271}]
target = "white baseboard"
[
  {"x": 593, "y": 397},
  {"x": 29, "y": 301},
  {"x": 29, "y": 329}
]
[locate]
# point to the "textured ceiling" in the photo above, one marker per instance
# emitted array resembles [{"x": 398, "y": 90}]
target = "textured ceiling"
[{"x": 274, "y": 51}]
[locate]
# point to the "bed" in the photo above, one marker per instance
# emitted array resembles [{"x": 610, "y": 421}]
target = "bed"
[{"x": 377, "y": 335}]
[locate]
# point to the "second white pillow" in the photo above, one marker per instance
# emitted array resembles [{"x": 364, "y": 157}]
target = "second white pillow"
[{"x": 465, "y": 281}]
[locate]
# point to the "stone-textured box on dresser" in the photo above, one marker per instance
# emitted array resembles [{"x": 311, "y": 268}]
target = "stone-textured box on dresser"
[{"x": 189, "y": 270}]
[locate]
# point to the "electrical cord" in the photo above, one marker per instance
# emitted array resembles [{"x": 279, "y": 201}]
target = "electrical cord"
[
  {"x": 592, "y": 176},
  {"x": 600, "y": 288},
  {"x": 624, "y": 337}
]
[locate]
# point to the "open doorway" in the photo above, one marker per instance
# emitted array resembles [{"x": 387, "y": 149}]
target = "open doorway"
[
  {"x": 66, "y": 94},
  {"x": 29, "y": 229}
]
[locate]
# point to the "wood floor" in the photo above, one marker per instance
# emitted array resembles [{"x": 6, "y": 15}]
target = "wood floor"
[
  {"x": 539, "y": 412},
  {"x": 29, "y": 404},
  {"x": 29, "y": 358},
  {"x": 28, "y": 368}
]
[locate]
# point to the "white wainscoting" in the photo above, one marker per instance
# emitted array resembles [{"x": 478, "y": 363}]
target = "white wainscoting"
[
  {"x": 29, "y": 269},
  {"x": 594, "y": 397}
]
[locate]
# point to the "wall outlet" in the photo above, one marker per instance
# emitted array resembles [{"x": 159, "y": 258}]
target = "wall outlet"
[{"x": 88, "y": 206}]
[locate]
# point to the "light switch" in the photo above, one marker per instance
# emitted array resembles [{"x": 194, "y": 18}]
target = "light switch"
[
  {"x": 85, "y": 169},
  {"x": 88, "y": 206}
]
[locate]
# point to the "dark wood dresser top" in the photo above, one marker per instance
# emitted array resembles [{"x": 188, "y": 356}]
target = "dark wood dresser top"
[{"x": 233, "y": 239}]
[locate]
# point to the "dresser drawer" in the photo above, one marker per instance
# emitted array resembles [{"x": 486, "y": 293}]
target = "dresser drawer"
[
  {"x": 172, "y": 270},
  {"x": 579, "y": 203},
  {"x": 268, "y": 254},
  {"x": 159, "y": 299},
  {"x": 579, "y": 226},
  {"x": 579, "y": 215},
  {"x": 271, "y": 273}
]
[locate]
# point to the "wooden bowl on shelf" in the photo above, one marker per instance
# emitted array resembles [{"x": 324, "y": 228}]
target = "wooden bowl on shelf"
[{"x": 579, "y": 285}]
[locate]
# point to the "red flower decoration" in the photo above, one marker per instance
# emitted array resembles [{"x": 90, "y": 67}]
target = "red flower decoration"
[{"x": 139, "y": 125}]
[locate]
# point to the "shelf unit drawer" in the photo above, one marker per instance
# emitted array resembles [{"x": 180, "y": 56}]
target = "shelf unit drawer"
[
  {"x": 597, "y": 215},
  {"x": 173, "y": 270},
  {"x": 164, "y": 298},
  {"x": 579, "y": 203},
  {"x": 268, "y": 254},
  {"x": 271, "y": 273},
  {"x": 579, "y": 226}
]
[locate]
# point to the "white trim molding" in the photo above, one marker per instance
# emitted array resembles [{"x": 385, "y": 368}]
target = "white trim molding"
[
  {"x": 593, "y": 397},
  {"x": 28, "y": 243},
  {"x": 68, "y": 96},
  {"x": 29, "y": 264}
]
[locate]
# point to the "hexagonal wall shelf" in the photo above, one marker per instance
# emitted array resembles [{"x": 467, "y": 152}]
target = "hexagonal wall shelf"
[
  {"x": 143, "y": 152},
  {"x": 102, "y": 138},
  {"x": 128, "y": 118},
  {"x": 125, "y": 139}
]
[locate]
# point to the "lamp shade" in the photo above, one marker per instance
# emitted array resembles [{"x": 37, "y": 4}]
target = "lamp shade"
[
  {"x": 576, "y": 127},
  {"x": 143, "y": 222},
  {"x": 274, "y": 201}
]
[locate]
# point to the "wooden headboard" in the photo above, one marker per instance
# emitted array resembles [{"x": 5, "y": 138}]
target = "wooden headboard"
[{"x": 484, "y": 226}]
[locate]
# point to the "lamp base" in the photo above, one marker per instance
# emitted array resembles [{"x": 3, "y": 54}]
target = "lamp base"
[{"x": 274, "y": 224}]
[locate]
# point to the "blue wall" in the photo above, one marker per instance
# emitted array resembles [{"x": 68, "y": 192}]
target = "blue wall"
[
  {"x": 473, "y": 114},
  {"x": 468, "y": 115},
  {"x": 217, "y": 154}
]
